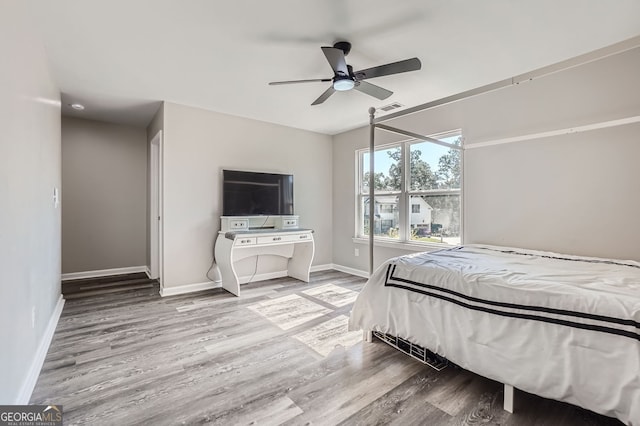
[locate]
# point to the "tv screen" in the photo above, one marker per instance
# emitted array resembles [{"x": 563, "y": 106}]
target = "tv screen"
[{"x": 253, "y": 193}]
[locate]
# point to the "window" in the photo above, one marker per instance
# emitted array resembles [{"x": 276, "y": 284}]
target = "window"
[{"x": 421, "y": 205}]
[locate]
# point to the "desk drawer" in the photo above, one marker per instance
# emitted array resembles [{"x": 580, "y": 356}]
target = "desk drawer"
[
  {"x": 272, "y": 239},
  {"x": 286, "y": 238},
  {"x": 247, "y": 241},
  {"x": 239, "y": 224}
]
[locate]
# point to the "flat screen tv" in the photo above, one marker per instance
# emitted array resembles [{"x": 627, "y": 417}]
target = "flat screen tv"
[{"x": 254, "y": 193}]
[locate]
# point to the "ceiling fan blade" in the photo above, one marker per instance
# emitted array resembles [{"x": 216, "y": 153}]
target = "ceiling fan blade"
[
  {"x": 412, "y": 64},
  {"x": 336, "y": 60},
  {"x": 324, "y": 96},
  {"x": 314, "y": 80},
  {"x": 372, "y": 90}
]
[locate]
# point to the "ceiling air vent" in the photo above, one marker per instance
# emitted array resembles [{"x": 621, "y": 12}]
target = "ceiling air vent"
[{"x": 390, "y": 107}]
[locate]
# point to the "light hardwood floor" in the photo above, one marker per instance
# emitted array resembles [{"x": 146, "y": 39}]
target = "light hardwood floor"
[{"x": 280, "y": 354}]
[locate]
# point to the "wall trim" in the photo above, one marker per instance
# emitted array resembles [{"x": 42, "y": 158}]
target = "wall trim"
[
  {"x": 103, "y": 273},
  {"x": 262, "y": 277},
  {"x": 352, "y": 271},
  {"x": 188, "y": 288},
  {"x": 148, "y": 272},
  {"x": 557, "y": 132},
  {"x": 29, "y": 383},
  {"x": 280, "y": 274},
  {"x": 325, "y": 267},
  {"x": 208, "y": 285}
]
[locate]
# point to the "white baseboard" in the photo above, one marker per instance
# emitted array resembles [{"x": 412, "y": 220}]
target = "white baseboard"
[
  {"x": 280, "y": 274},
  {"x": 352, "y": 271},
  {"x": 325, "y": 267},
  {"x": 29, "y": 383},
  {"x": 103, "y": 273},
  {"x": 262, "y": 277},
  {"x": 147, "y": 271},
  {"x": 188, "y": 288}
]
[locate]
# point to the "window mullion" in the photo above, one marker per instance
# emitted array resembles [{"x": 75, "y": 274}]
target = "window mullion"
[
  {"x": 359, "y": 214},
  {"x": 404, "y": 215}
]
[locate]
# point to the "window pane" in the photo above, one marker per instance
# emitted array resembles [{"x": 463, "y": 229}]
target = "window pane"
[
  {"x": 386, "y": 216},
  {"x": 438, "y": 220},
  {"x": 434, "y": 166},
  {"x": 388, "y": 173}
]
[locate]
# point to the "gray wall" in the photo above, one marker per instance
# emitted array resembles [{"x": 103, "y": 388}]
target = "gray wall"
[
  {"x": 198, "y": 144},
  {"x": 573, "y": 193},
  {"x": 576, "y": 193},
  {"x": 29, "y": 221},
  {"x": 104, "y": 181}
]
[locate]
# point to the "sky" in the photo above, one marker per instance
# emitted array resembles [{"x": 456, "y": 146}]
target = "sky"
[{"x": 431, "y": 153}]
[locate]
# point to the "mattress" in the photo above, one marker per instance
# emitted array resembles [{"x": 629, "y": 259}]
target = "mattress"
[{"x": 559, "y": 326}]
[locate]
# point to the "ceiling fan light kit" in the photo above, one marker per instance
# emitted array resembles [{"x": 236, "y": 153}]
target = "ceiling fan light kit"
[
  {"x": 344, "y": 78},
  {"x": 343, "y": 83}
]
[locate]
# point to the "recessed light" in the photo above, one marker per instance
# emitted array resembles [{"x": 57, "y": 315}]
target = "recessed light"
[{"x": 78, "y": 107}]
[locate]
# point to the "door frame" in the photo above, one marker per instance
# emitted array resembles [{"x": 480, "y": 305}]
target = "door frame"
[{"x": 156, "y": 211}]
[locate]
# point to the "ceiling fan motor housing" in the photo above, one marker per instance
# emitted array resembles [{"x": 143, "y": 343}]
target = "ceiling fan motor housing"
[{"x": 345, "y": 46}]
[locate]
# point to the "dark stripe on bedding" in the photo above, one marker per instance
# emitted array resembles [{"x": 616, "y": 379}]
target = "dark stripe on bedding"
[
  {"x": 386, "y": 279},
  {"x": 591, "y": 327},
  {"x": 545, "y": 309}
]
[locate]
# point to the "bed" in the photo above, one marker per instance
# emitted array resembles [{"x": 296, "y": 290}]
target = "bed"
[{"x": 559, "y": 326}]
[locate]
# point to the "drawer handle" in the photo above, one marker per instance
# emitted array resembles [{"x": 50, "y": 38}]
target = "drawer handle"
[
  {"x": 277, "y": 238},
  {"x": 303, "y": 236}
]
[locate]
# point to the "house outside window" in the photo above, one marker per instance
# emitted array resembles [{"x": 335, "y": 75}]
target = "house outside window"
[{"x": 422, "y": 205}]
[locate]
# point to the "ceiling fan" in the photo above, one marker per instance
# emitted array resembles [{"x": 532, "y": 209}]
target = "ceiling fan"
[{"x": 344, "y": 78}]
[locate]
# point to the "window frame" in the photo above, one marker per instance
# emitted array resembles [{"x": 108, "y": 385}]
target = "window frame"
[{"x": 405, "y": 193}]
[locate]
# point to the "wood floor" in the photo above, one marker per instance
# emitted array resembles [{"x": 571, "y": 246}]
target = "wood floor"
[
  {"x": 107, "y": 285},
  {"x": 280, "y": 354}
]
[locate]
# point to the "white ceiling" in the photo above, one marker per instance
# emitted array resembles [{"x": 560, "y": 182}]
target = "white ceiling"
[{"x": 121, "y": 57}]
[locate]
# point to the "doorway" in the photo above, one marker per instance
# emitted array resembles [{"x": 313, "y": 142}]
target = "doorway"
[{"x": 155, "y": 209}]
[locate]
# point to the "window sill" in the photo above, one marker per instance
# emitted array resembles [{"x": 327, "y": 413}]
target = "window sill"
[{"x": 402, "y": 245}]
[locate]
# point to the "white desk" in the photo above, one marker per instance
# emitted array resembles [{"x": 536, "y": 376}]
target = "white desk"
[{"x": 294, "y": 244}]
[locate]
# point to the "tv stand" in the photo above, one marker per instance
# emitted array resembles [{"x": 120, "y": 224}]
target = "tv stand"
[{"x": 241, "y": 237}]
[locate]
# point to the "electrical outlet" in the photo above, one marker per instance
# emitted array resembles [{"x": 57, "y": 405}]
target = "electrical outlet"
[
  {"x": 33, "y": 317},
  {"x": 356, "y": 252},
  {"x": 56, "y": 197}
]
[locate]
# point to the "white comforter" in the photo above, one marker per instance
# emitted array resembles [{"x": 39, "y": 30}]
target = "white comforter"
[{"x": 562, "y": 327}]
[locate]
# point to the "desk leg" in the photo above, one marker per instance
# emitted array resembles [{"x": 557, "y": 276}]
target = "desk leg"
[
  {"x": 300, "y": 262},
  {"x": 224, "y": 259}
]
